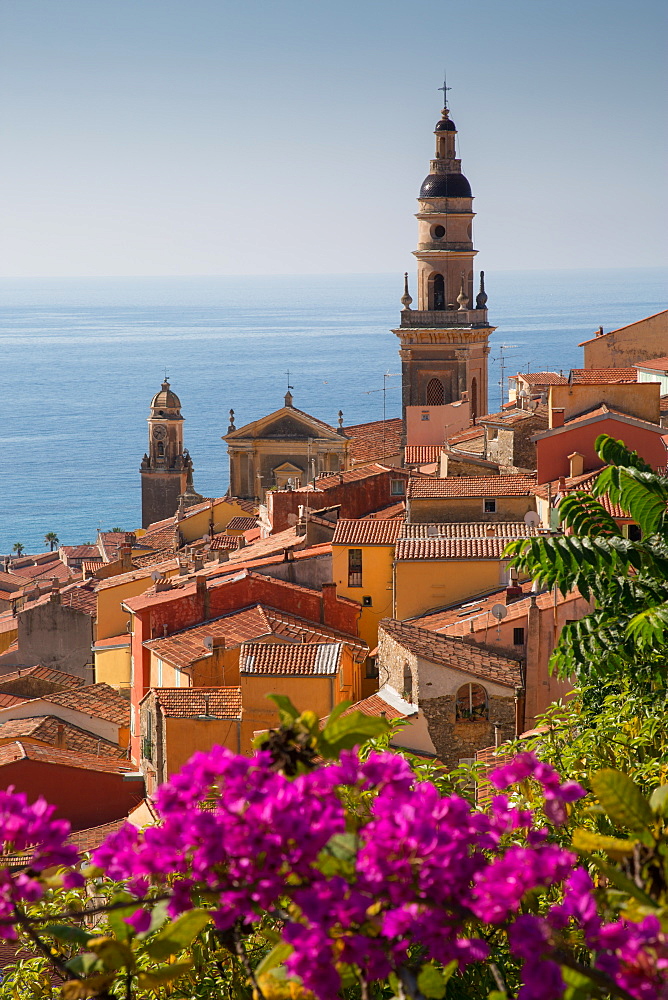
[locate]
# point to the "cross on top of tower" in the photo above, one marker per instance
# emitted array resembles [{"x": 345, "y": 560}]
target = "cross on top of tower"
[{"x": 445, "y": 90}]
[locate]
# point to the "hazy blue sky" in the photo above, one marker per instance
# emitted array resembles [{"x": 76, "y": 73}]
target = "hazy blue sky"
[{"x": 257, "y": 136}]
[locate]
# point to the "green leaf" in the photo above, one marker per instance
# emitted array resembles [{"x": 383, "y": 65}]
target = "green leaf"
[
  {"x": 79, "y": 989},
  {"x": 622, "y": 799},
  {"x": 659, "y": 800},
  {"x": 350, "y": 731},
  {"x": 431, "y": 980},
  {"x": 497, "y": 995},
  {"x": 180, "y": 934},
  {"x": 65, "y": 932},
  {"x": 276, "y": 957},
  {"x": 112, "y": 953},
  {"x": 287, "y": 713},
  {"x": 578, "y": 984},
  {"x": 585, "y": 840},
  {"x": 85, "y": 963},
  {"x": 623, "y": 882},
  {"x": 163, "y": 974}
]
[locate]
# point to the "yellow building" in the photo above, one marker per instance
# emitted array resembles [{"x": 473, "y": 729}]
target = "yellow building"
[
  {"x": 470, "y": 498},
  {"x": 639, "y": 341},
  {"x": 362, "y": 564},
  {"x": 315, "y": 676}
]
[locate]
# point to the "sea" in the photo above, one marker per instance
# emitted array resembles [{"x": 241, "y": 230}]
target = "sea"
[{"x": 82, "y": 357}]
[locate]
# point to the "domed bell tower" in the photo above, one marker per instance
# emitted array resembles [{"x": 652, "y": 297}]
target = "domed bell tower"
[
  {"x": 444, "y": 342},
  {"x": 166, "y": 469}
]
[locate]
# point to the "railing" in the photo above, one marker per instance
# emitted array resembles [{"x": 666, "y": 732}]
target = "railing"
[{"x": 439, "y": 318}]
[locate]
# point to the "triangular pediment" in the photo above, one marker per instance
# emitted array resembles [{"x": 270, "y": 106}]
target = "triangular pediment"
[
  {"x": 288, "y": 469},
  {"x": 287, "y": 424}
]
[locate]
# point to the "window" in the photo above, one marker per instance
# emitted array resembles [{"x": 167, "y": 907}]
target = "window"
[
  {"x": 397, "y": 487},
  {"x": 518, "y": 637},
  {"x": 438, "y": 292},
  {"x": 434, "y": 392},
  {"x": 371, "y": 669},
  {"x": 635, "y": 533},
  {"x": 489, "y": 506},
  {"x": 367, "y": 602},
  {"x": 408, "y": 682},
  {"x": 438, "y": 232},
  {"x": 471, "y": 704},
  {"x": 159, "y": 678},
  {"x": 354, "y": 567},
  {"x": 425, "y": 414},
  {"x": 161, "y": 450}
]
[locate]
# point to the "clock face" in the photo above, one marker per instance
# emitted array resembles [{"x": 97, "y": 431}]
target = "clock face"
[{"x": 159, "y": 432}]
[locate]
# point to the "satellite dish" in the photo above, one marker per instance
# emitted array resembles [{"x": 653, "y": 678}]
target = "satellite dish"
[
  {"x": 532, "y": 518},
  {"x": 156, "y": 574},
  {"x": 499, "y": 611}
]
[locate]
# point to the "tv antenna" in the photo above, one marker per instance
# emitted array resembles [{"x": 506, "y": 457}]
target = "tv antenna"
[
  {"x": 384, "y": 392},
  {"x": 502, "y": 359}
]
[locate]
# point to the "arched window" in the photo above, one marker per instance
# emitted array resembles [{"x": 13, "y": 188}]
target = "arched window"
[
  {"x": 161, "y": 450},
  {"x": 474, "y": 398},
  {"x": 434, "y": 394},
  {"x": 438, "y": 292},
  {"x": 471, "y": 703},
  {"x": 408, "y": 683}
]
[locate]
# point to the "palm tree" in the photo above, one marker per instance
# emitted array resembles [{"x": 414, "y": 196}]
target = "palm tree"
[
  {"x": 51, "y": 539},
  {"x": 18, "y": 548}
]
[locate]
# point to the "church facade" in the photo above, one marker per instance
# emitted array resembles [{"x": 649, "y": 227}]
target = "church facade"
[
  {"x": 287, "y": 448},
  {"x": 444, "y": 341}
]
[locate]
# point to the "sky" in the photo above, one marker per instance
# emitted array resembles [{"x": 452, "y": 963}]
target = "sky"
[{"x": 205, "y": 137}]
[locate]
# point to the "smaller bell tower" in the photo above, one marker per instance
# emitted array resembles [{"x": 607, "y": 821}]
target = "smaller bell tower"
[{"x": 166, "y": 469}]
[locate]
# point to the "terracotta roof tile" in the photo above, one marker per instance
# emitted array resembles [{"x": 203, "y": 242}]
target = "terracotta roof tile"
[
  {"x": 12, "y": 752},
  {"x": 602, "y": 376},
  {"x": 472, "y": 486},
  {"x": 258, "y": 621},
  {"x": 320, "y": 659},
  {"x": 97, "y": 700},
  {"x": 224, "y": 543},
  {"x": 468, "y": 434},
  {"x": 454, "y": 653},
  {"x": 111, "y": 542},
  {"x": 48, "y": 729},
  {"x": 469, "y": 529},
  {"x": 332, "y": 481},
  {"x": 602, "y": 411},
  {"x": 190, "y": 703},
  {"x": 91, "y": 838},
  {"x": 143, "y": 573},
  {"x": 39, "y": 673},
  {"x": 239, "y": 523},
  {"x": 654, "y": 365},
  {"x": 449, "y": 548},
  {"x": 80, "y": 551},
  {"x": 163, "y": 535},
  {"x": 81, "y": 596},
  {"x": 369, "y": 442},
  {"x": 51, "y": 571},
  {"x": 8, "y": 623},
  {"x": 367, "y": 532},
  {"x": 7, "y": 700},
  {"x": 376, "y": 705},
  {"x": 541, "y": 378},
  {"x": 391, "y": 511},
  {"x": 422, "y": 454},
  {"x": 514, "y": 417}
]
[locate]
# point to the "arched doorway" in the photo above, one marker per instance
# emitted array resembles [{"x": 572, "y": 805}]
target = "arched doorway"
[{"x": 434, "y": 394}]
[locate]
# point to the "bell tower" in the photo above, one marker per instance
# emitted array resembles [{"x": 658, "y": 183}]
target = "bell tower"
[
  {"x": 166, "y": 470},
  {"x": 444, "y": 342}
]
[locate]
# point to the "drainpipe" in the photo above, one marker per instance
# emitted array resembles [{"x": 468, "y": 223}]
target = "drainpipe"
[{"x": 519, "y": 711}]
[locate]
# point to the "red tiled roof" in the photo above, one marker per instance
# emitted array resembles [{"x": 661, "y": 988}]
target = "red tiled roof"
[
  {"x": 81, "y": 596},
  {"x": 50, "y": 571},
  {"x": 602, "y": 411},
  {"x": 513, "y": 417},
  {"x": 88, "y": 840},
  {"x": 242, "y": 523},
  {"x": 654, "y": 365},
  {"x": 369, "y": 442},
  {"x": 367, "y": 532},
  {"x": 422, "y": 454},
  {"x": 225, "y": 543},
  {"x": 467, "y": 658},
  {"x": 190, "y": 703},
  {"x": 8, "y": 623},
  {"x": 48, "y": 728},
  {"x": 12, "y": 752},
  {"x": 111, "y": 542},
  {"x": 449, "y": 548},
  {"x": 318, "y": 659},
  {"x": 7, "y": 700},
  {"x": 332, "y": 481},
  {"x": 468, "y": 529},
  {"x": 80, "y": 551},
  {"x": 143, "y": 573},
  {"x": 468, "y": 434},
  {"x": 376, "y": 705},
  {"x": 541, "y": 378},
  {"x": 602, "y": 376},
  {"x": 114, "y": 641},
  {"x": 97, "y": 700},
  {"x": 182, "y": 648},
  {"x": 161, "y": 535},
  {"x": 472, "y": 486},
  {"x": 385, "y": 513},
  {"x": 40, "y": 673}
]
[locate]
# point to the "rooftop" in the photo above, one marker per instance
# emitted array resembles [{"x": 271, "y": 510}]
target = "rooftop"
[
  {"x": 49, "y": 729},
  {"x": 100, "y": 701},
  {"x": 193, "y": 703},
  {"x": 471, "y": 486},
  {"x": 374, "y": 440},
  {"x": 333, "y": 480},
  {"x": 367, "y": 531},
  {"x": 655, "y": 365},
  {"x": 469, "y": 529},
  {"x": 422, "y": 454},
  {"x": 541, "y": 378},
  {"x": 420, "y": 549},
  {"x": 290, "y": 659},
  {"x": 454, "y": 653},
  {"x": 40, "y": 673},
  {"x": 602, "y": 376},
  {"x": 13, "y": 752},
  {"x": 242, "y": 523}
]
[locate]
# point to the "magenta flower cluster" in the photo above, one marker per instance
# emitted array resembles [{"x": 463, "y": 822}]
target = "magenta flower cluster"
[
  {"x": 363, "y": 865},
  {"x": 31, "y": 832}
]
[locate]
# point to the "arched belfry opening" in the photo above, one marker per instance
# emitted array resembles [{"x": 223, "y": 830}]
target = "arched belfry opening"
[
  {"x": 474, "y": 398},
  {"x": 437, "y": 292},
  {"x": 435, "y": 395}
]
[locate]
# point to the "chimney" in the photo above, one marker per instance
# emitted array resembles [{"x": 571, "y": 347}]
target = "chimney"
[
  {"x": 577, "y": 464},
  {"x": 328, "y": 605},
  {"x": 125, "y": 553},
  {"x": 223, "y": 555},
  {"x": 218, "y": 641},
  {"x": 55, "y": 592},
  {"x": 557, "y": 416},
  {"x": 202, "y": 594},
  {"x": 61, "y": 741},
  {"x": 241, "y": 542},
  {"x": 562, "y": 483},
  {"x": 199, "y": 563},
  {"x": 519, "y": 711},
  {"x": 490, "y": 531},
  {"x": 513, "y": 593}
]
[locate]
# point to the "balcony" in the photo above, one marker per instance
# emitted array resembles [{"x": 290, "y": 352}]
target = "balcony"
[{"x": 443, "y": 318}]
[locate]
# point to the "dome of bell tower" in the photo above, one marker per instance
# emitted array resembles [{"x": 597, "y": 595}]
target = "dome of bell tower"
[{"x": 165, "y": 399}]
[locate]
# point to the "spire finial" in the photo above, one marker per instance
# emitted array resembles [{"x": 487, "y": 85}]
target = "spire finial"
[
  {"x": 462, "y": 298},
  {"x": 405, "y": 298},
  {"x": 445, "y": 90},
  {"x": 231, "y": 426},
  {"x": 481, "y": 297}
]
